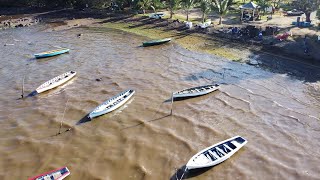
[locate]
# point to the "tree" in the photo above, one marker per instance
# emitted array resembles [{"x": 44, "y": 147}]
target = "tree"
[
  {"x": 307, "y": 6},
  {"x": 205, "y": 8},
  {"x": 264, "y": 4},
  {"x": 221, "y": 7},
  {"x": 187, "y": 5},
  {"x": 145, "y": 4},
  {"x": 276, "y": 3},
  {"x": 173, "y": 5}
]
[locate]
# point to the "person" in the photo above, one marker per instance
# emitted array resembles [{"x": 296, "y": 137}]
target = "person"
[
  {"x": 260, "y": 36},
  {"x": 306, "y": 49}
]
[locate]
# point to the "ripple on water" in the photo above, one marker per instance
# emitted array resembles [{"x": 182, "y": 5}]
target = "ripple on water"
[{"x": 277, "y": 114}]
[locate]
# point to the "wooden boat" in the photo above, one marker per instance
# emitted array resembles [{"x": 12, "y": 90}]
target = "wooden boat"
[
  {"x": 156, "y": 42},
  {"x": 112, "y": 104},
  {"x": 196, "y": 91},
  {"x": 216, "y": 154},
  {"x": 57, "y": 174},
  {"x": 57, "y": 81},
  {"x": 52, "y": 53}
]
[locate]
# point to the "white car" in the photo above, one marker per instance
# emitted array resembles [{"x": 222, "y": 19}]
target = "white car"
[
  {"x": 294, "y": 12},
  {"x": 156, "y": 15}
]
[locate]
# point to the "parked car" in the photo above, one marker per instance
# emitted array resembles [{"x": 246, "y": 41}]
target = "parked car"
[
  {"x": 156, "y": 15},
  {"x": 294, "y": 12}
]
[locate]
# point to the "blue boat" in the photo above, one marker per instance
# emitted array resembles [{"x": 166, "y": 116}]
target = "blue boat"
[
  {"x": 52, "y": 53},
  {"x": 112, "y": 104}
]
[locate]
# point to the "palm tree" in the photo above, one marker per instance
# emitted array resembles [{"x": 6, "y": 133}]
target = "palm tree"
[
  {"x": 187, "y": 5},
  {"x": 205, "y": 8},
  {"x": 221, "y": 7},
  {"x": 145, "y": 4},
  {"x": 173, "y": 4}
]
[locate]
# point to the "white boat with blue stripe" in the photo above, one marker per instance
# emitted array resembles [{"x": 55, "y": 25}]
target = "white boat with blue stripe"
[
  {"x": 216, "y": 154},
  {"x": 196, "y": 91},
  {"x": 52, "y": 53},
  {"x": 57, "y": 81},
  {"x": 112, "y": 104}
]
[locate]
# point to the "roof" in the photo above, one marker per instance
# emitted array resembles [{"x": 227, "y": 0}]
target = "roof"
[{"x": 249, "y": 5}]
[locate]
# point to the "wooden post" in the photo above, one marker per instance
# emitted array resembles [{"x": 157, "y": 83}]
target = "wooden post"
[
  {"x": 171, "y": 103},
  {"x": 22, "y": 95},
  {"x": 63, "y": 117}
]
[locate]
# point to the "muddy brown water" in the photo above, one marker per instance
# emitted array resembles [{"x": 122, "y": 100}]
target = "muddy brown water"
[{"x": 277, "y": 113}]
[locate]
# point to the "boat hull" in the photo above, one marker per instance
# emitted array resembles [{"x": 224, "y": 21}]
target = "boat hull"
[
  {"x": 56, "y": 84},
  {"x": 94, "y": 114},
  {"x": 155, "y": 42},
  {"x": 44, "y": 55},
  {"x": 57, "y": 174},
  {"x": 207, "y": 155},
  {"x": 194, "y": 92}
]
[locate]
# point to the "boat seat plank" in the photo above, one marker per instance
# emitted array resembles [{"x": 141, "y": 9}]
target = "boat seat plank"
[
  {"x": 214, "y": 154},
  {"x": 224, "y": 149},
  {"x": 231, "y": 145}
]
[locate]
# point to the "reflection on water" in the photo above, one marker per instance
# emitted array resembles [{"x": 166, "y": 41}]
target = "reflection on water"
[{"x": 278, "y": 114}]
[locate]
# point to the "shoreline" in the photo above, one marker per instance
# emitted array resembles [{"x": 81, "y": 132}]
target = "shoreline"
[{"x": 201, "y": 40}]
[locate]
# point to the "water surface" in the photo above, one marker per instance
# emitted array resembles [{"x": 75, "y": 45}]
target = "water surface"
[{"x": 278, "y": 114}]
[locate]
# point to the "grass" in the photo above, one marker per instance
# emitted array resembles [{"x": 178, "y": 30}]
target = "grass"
[{"x": 193, "y": 42}]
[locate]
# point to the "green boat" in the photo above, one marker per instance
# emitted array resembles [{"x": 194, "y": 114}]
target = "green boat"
[{"x": 156, "y": 42}]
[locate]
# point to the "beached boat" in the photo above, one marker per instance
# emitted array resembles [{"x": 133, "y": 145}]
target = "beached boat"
[
  {"x": 156, "y": 42},
  {"x": 196, "y": 91},
  {"x": 112, "y": 104},
  {"x": 216, "y": 154},
  {"x": 57, "y": 81},
  {"x": 57, "y": 174},
  {"x": 52, "y": 53}
]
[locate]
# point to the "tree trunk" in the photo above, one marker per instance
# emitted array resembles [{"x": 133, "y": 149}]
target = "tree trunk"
[
  {"x": 220, "y": 20},
  {"x": 308, "y": 16},
  {"x": 203, "y": 17},
  {"x": 171, "y": 13},
  {"x": 187, "y": 14},
  {"x": 144, "y": 11},
  {"x": 154, "y": 9}
]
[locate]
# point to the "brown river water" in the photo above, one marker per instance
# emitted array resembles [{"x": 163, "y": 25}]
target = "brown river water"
[{"x": 277, "y": 113}]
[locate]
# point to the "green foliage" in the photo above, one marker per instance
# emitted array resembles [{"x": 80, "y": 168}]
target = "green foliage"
[
  {"x": 307, "y": 6},
  {"x": 264, "y": 4},
  {"x": 173, "y": 5},
  {"x": 205, "y": 7},
  {"x": 187, "y": 5},
  {"x": 221, "y": 7},
  {"x": 318, "y": 13}
]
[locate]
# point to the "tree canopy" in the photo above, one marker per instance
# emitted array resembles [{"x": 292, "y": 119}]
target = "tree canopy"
[{"x": 307, "y": 6}]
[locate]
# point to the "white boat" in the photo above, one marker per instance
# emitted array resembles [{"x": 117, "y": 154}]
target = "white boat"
[
  {"x": 216, "y": 154},
  {"x": 57, "y": 174},
  {"x": 112, "y": 104},
  {"x": 57, "y": 81},
  {"x": 196, "y": 91}
]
